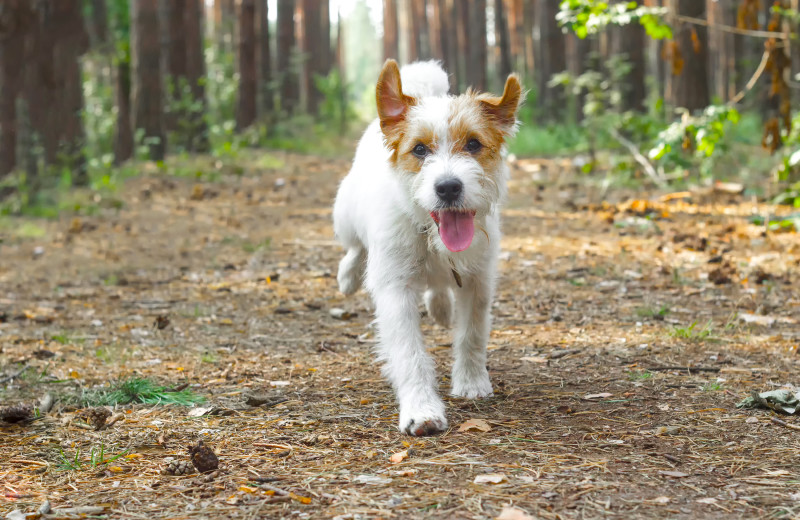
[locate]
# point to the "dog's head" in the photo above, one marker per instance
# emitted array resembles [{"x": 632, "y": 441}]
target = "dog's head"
[{"x": 449, "y": 150}]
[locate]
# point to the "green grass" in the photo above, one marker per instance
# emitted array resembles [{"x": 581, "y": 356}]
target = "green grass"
[
  {"x": 138, "y": 390},
  {"x": 532, "y": 140},
  {"x": 640, "y": 375},
  {"x": 653, "y": 312},
  {"x": 97, "y": 457},
  {"x": 692, "y": 332},
  {"x": 712, "y": 387}
]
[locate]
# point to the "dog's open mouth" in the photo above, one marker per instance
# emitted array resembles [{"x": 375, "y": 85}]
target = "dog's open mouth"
[{"x": 456, "y": 227}]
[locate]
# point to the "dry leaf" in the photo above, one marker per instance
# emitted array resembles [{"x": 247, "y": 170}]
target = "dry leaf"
[
  {"x": 534, "y": 359},
  {"x": 673, "y": 474},
  {"x": 400, "y": 456},
  {"x": 475, "y": 425},
  {"x": 513, "y": 513},
  {"x": 490, "y": 478},
  {"x": 604, "y": 395},
  {"x": 199, "y": 411}
]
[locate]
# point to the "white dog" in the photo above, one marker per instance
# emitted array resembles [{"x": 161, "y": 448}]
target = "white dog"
[{"x": 426, "y": 175}]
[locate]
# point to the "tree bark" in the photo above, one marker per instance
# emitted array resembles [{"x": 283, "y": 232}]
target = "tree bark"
[
  {"x": 248, "y": 76},
  {"x": 419, "y": 29},
  {"x": 146, "y": 76},
  {"x": 311, "y": 49},
  {"x": 502, "y": 40},
  {"x": 97, "y": 24},
  {"x": 196, "y": 73},
  {"x": 550, "y": 59},
  {"x": 390, "y": 29},
  {"x": 630, "y": 40},
  {"x": 12, "y": 57},
  {"x": 264, "y": 51},
  {"x": 326, "y": 53},
  {"x": 690, "y": 88},
  {"x": 289, "y": 92}
]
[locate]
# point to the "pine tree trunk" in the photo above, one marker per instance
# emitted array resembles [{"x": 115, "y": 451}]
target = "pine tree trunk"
[
  {"x": 311, "y": 49},
  {"x": 289, "y": 92},
  {"x": 174, "y": 54},
  {"x": 196, "y": 73},
  {"x": 630, "y": 40},
  {"x": 146, "y": 76},
  {"x": 264, "y": 51},
  {"x": 97, "y": 25},
  {"x": 12, "y": 57},
  {"x": 390, "y": 29},
  {"x": 419, "y": 28},
  {"x": 123, "y": 135},
  {"x": 71, "y": 41},
  {"x": 502, "y": 40},
  {"x": 529, "y": 10},
  {"x": 326, "y": 54},
  {"x": 550, "y": 59},
  {"x": 691, "y": 86},
  {"x": 248, "y": 76}
]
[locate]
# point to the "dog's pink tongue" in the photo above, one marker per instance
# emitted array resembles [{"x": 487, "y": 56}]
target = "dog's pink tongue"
[{"x": 456, "y": 229}]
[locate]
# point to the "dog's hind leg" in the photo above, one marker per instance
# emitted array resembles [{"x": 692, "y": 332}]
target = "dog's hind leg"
[
  {"x": 439, "y": 303},
  {"x": 351, "y": 269}
]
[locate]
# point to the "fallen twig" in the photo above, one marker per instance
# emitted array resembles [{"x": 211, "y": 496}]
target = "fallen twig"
[
  {"x": 684, "y": 369},
  {"x": 784, "y": 423},
  {"x": 15, "y": 375},
  {"x": 651, "y": 172}
]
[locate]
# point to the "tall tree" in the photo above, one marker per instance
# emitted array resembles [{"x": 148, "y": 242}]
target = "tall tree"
[
  {"x": 73, "y": 42},
  {"x": 502, "y": 39},
  {"x": 418, "y": 11},
  {"x": 472, "y": 42},
  {"x": 174, "y": 57},
  {"x": 629, "y": 40},
  {"x": 18, "y": 18},
  {"x": 196, "y": 72},
  {"x": 287, "y": 76},
  {"x": 264, "y": 52},
  {"x": 690, "y": 86},
  {"x": 119, "y": 15},
  {"x": 326, "y": 52},
  {"x": 248, "y": 75},
  {"x": 97, "y": 24},
  {"x": 312, "y": 45},
  {"x": 550, "y": 58},
  {"x": 390, "y": 29},
  {"x": 146, "y": 76}
]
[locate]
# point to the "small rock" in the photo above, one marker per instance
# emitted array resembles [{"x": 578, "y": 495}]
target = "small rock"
[
  {"x": 37, "y": 252},
  {"x": 341, "y": 314}
]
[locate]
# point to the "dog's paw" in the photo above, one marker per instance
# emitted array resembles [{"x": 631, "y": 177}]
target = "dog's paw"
[
  {"x": 423, "y": 420},
  {"x": 422, "y": 426},
  {"x": 350, "y": 272},
  {"x": 439, "y": 306},
  {"x": 472, "y": 387}
]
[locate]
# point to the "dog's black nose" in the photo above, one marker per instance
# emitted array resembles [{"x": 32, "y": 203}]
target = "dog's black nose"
[{"x": 449, "y": 190}]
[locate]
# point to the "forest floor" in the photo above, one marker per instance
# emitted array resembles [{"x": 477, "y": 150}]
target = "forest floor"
[{"x": 608, "y": 401}]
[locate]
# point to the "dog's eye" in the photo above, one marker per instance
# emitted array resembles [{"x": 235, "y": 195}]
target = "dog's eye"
[
  {"x": 420, "y": 151},
  {"x": 473, "y": 145}
]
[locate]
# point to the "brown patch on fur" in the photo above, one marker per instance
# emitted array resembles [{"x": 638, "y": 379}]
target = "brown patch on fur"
[
  {"x": 392, "y": 104},
  {"x": 468, "y": 121},
  {"x": 412, "y": 136},
  {"x": 503, "y": 110}
]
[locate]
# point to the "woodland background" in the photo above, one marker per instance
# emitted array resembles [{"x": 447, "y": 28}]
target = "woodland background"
[{"x": 671, "y": 90}]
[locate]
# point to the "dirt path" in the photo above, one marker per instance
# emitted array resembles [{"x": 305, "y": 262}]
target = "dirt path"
[{"x": 607, "y": 404}]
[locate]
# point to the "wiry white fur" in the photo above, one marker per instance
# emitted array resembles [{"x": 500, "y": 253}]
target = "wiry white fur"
[
  {"x": 382, "y": 217},
  {"x": 424, "y": 79}
]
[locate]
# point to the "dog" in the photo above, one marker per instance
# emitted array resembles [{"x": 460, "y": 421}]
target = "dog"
[{"x": 418, "y": 214}]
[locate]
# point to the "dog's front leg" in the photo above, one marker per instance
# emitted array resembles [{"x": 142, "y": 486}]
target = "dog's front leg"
[
  {"x": 470, "y": 378},
  {"x": 407, "y": 364}
]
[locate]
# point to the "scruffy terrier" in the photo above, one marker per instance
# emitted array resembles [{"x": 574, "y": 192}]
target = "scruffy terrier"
[{"x": 427, "y": 174}]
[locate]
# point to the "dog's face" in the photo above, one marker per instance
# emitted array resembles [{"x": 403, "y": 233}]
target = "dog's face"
[{"x": 448, "y": 149}]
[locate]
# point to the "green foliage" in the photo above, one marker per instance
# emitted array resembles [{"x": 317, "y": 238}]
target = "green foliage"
[
  {"x": 587, "y": 17},
  {"x": 138, "y": 390},
  {"x": 692, "y": 332},
  {"x": 698, "y": 136},
  {"x": 658, "y": 313}
]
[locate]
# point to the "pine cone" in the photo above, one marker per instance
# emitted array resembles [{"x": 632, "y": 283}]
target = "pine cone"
[
  {"x": 178, "y": 468},
  {"x": 203, "y": 457},
  {"x": 97, "y": 417},
  {"x": 16, "y": 413}
]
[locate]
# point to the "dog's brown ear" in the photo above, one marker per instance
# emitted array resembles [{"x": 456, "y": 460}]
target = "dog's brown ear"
[
  {"x": 393, "y": 105},
  {"x": 503, "y": 110}
]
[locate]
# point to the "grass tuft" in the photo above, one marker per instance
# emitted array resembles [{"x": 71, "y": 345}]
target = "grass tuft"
[{"x": 139, "y": 390}]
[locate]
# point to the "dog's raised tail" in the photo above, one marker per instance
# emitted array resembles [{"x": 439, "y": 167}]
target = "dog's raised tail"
[{"x": 424, "y": 78}]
